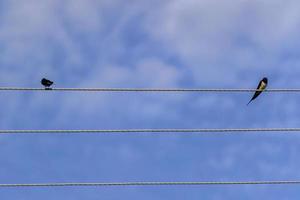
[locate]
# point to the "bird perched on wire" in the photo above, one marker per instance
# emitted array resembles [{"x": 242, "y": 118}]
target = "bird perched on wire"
[
  {"x": 47, "y": 83},
  {"x": 260, "y": 88}
]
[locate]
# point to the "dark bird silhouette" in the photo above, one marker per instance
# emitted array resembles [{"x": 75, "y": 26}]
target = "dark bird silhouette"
[
  {"x": 261, "y": 87},
  {"x": 47, "y": 83}
]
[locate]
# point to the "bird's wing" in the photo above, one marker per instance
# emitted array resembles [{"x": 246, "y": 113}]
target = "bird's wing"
[
  {"x": 259, "y": 85},
  {"x": 257, "y": 93}
]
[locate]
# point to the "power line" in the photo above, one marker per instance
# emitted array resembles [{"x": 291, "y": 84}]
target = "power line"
[
  {"x": 103, "y": 131},
  {"x": 144, "y": 90},
  {"x": 151, "y": 184}
]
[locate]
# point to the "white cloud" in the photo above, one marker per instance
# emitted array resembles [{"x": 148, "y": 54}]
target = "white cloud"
[
  {"x": 221, "y": 40},
  {"x": 87, "y": 43},
  {"x": 80, "y": 44}
]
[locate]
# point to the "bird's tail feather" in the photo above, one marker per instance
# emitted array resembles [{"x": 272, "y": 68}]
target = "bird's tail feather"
[{"x": 249, "y": 102}]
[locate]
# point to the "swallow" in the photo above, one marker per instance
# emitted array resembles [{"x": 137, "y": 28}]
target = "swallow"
[
  {"x": 47, "y": 83},
  {"x": 260, "y": 88}
]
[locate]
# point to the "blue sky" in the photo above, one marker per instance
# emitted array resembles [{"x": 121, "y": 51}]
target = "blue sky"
[{"x": 166, "y": 43}]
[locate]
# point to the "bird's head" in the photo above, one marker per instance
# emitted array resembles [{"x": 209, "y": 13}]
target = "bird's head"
[{"x": 265, "y": 79}]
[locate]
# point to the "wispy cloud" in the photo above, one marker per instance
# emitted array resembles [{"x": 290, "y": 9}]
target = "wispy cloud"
[{"x": 178, "y": 43}]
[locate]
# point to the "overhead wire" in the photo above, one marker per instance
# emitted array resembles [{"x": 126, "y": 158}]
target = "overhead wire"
[
  {"x": 111, "y": 131},
  {"x": 145, "y": 90},
  {"x": 125, "y": 184}
]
